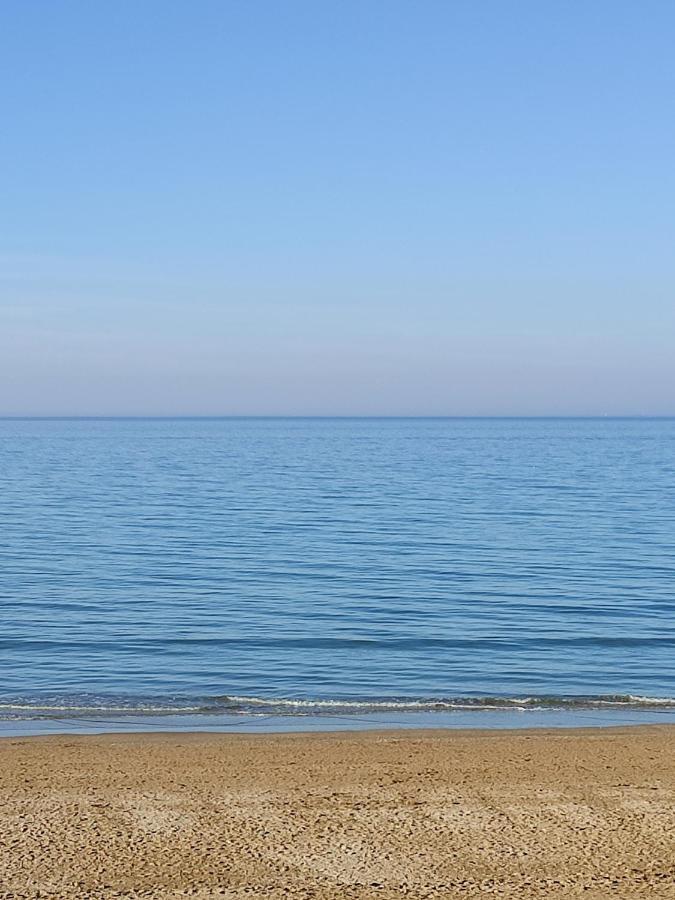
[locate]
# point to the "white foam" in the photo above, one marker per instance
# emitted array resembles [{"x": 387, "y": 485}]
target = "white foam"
[{"x": 43, "y": 707}]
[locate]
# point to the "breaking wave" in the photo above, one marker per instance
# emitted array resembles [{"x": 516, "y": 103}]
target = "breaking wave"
[{"x": 307, "y": 706}]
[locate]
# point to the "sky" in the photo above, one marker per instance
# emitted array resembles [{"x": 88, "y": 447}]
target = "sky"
[{"x": 363, "y": 207}]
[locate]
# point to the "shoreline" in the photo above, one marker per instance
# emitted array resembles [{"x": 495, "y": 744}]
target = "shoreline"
[
  {"x": 366, "y": 733},
  {"x": 454, "y": 720},
  {"x": 319, "y": 816}
]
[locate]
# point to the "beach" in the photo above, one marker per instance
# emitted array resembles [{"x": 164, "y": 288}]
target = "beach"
[{"x": 558, "y": 813}]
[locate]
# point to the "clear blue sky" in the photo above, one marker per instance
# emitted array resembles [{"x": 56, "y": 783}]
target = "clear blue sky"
[{"x": 348, "y": 207}]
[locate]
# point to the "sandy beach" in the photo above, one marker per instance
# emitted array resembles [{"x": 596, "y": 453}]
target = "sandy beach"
[{"x": 583, "y": 813}]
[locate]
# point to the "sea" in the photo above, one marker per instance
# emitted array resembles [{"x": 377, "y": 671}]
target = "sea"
[{"x": 302, "y": 573}]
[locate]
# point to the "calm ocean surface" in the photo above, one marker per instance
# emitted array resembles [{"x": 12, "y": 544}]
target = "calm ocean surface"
[{"x": 295, "y": 566}]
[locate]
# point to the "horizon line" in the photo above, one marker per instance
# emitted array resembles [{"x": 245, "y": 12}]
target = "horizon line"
[{"x": 248, "y": 416}]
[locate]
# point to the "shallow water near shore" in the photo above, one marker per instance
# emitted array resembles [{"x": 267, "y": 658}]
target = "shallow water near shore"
[
  {"x": 261, "y": 724},
  {"x": 249, "y": 573}
]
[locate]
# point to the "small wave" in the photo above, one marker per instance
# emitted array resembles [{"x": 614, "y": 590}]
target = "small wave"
[
  {"x": 651, "y": 701},
  {"x": 126, "y": 708},
  {"x": 374, "y": 705},
  {"x": 232, "y": 704},
  {"x": 288, "y": 706},
  {"x": 38, "y": 710}
]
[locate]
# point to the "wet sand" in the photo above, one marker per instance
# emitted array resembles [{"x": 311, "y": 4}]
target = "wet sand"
[{"x": 568, "y": 813}]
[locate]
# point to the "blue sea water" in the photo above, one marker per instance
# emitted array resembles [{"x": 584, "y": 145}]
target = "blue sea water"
[{"x": 296, "y": 567}]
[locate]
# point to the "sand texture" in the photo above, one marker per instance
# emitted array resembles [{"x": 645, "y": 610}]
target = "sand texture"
[{"x": 560, "y": 814}]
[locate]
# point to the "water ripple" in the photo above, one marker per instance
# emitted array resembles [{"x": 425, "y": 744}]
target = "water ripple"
[{"x": 308, "y": 562}]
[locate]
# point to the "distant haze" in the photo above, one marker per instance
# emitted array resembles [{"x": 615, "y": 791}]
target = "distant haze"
[{"x": 342, "y": 208}]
